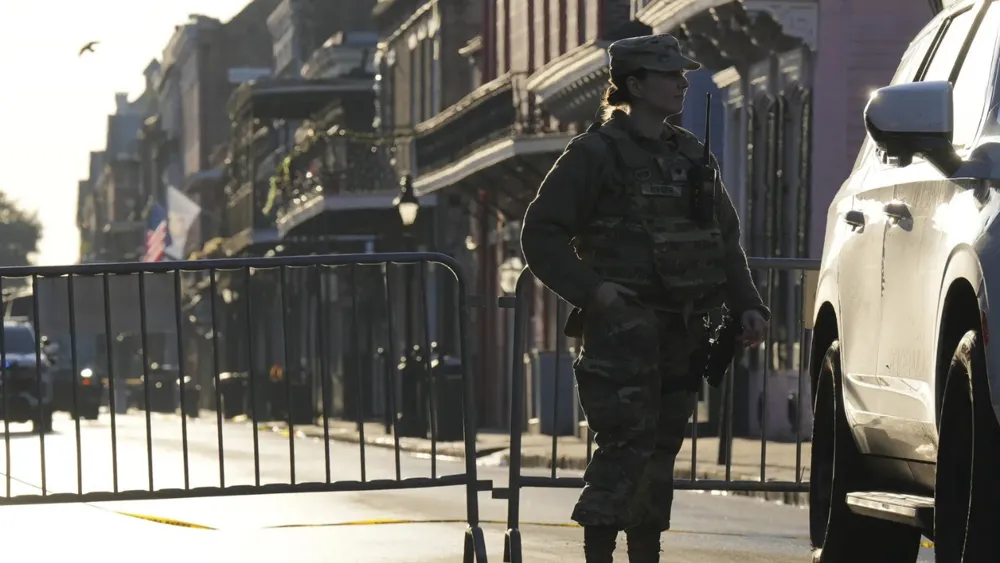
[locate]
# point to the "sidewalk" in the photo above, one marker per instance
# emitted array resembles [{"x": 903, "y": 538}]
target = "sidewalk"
[{"x": 571, "y": 453}]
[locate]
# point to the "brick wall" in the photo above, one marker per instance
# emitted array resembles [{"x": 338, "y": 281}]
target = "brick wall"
[
  {"x": 860, "y": 44},
  {"x": 521, "y": 34},
  {"x": 542, "y": 32},
  {"x": 557, "y": 28},
  {"x": 591, "y": 12},
  {"x": 461, "y": 20},
  {"x": 322, "y": 18},
  {"x": 409, "y": 80},
  {"x": 616, "y": 14},
  {"x": 571, "y": 21},
  {"x": 502, "y": 26},
  {"x": 243, "y": 41}
]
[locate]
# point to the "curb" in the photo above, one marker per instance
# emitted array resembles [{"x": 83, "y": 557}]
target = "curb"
[
  {"x": 447, "y": 449},
  {"x": 544, "y": 462},
  {"x": 680, "y": 474}
]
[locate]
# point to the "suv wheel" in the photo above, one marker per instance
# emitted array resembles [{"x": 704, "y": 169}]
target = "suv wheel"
[
  {"x": 42, "y": 422},
  {"x": 836, "y": 533},
  {"x": 966, "y": 491},
  {"x": 87, "y": 411}
]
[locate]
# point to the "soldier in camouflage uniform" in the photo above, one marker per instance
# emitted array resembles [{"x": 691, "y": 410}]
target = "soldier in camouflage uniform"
[{"x": 611, "y": 232}]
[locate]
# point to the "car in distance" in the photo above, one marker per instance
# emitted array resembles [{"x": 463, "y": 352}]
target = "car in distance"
[
  {"x": 26, "y": 393},
  {"x": 89, "y": 392}
]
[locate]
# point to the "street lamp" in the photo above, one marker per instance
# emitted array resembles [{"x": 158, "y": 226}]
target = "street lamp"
[
  {"x": 406, "y": 202},
  {"x": 407, "y": 205}
]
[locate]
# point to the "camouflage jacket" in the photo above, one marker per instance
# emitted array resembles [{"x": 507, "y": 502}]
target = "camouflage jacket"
[{"x": 575, "y": 192}]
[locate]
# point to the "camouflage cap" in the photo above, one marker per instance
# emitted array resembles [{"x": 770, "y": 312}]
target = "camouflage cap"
[{"x": 652, "y": 52}]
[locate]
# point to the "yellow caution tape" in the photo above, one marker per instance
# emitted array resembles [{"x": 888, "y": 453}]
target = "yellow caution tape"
[
  {"x": 168, "y": 521},
  {"x": 387, "y": 521}
]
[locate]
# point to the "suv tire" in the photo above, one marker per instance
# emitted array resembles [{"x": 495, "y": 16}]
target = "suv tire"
[
  {"x": 967, "y": 492},
  {"x": 838, "y": 535},
  {"x": 42, "y": 422}
]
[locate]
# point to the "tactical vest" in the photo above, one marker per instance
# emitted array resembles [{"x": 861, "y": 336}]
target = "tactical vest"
[{"x": 641, "y": 236}]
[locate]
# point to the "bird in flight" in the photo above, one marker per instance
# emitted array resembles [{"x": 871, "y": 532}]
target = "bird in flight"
[{"x": 88, "y": 47}]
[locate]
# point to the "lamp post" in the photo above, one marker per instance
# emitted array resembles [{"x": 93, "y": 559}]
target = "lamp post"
[
  {"x": 408, "y": 206},
  {"x": 409, "y": 419},
  {"x": 406, "y": 203}
]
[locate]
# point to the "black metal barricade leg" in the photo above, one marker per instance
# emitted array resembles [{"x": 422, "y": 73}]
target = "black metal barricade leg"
[
  {"x": 144, "y": 339},
  {"x": 512, "y": 538},
  {"x": 475, "y": 541},
  {"x": 775, "y": 268}
]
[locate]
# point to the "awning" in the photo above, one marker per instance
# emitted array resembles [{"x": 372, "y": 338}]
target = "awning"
[
  {"x": 490, "y": 155},
  {"x": 666, "y": 15},
  {"x": 568, "y": 69},
  {"x": 293, "y": 99},
  {"x": 315, "y": 206},
  {"x": 248, "y": 238}
]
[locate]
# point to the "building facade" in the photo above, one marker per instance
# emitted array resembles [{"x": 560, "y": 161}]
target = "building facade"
[
  {"x": 112, "y": 229},
  {"x": 294, "y": 125},
  {"x": 538, "y": 69}
]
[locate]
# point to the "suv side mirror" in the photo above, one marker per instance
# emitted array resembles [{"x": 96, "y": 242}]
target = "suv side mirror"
[{"x": 914, "y": 119}]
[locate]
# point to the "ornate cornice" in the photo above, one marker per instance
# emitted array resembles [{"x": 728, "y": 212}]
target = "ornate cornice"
[{"x": 798, "y": 18}]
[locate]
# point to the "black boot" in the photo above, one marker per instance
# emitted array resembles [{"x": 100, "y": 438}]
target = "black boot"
[
  {"x": 643, "y": 545},
  {"x": 599, "y": 543}
]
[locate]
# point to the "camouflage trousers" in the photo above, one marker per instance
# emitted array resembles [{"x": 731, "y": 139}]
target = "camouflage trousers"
[{"x": 633, "y": 376}]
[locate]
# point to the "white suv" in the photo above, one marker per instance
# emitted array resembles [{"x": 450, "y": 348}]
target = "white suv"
[{"x": 906, "y": 439}]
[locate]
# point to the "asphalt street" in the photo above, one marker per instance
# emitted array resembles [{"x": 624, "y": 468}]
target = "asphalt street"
[{"x": 322, "y": 527}]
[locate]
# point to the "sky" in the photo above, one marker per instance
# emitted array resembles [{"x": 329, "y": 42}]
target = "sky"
[{"x": 54, "y": 104}]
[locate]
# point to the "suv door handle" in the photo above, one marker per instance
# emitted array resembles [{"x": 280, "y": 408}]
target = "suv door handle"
[
  {"x": 897, "y": 210},
  {"x": 855, "y": 218}
]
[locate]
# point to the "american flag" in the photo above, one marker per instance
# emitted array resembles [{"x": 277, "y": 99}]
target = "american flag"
[{"x": 157, "y": 235}]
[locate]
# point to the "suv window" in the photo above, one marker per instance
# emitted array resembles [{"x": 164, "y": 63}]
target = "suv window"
[
  {"x": 912, "y": 58},
  {"x": 18, "y": 339},
  {"x": 972, "y": 86},
  {"x": 943, "y": 59},
  {"x": 906, "y": 72}
]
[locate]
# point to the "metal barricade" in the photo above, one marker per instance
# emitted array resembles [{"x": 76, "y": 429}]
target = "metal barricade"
[
  {"x": 242, "y": 312},
  {"x": 790, "y": 299}
]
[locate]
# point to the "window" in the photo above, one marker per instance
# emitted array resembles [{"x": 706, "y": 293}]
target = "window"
[
  {"x": 906, "y": 72},
  {"x": 435, "y": 78},
  {"x": 912, "y": 58},
  {"x": 18, "y": 339},
  {"x": 972, "y": 86},
  {"x": 415, "y": 75},
  {"x": 943, "y": 59}
]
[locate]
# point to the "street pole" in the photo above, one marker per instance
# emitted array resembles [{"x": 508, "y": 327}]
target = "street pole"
[
  {"x": 408, "y": 206},
  {"x": 408, "y": 303}
]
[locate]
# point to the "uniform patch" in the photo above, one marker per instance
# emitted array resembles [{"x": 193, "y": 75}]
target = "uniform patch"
[{"x": 660, "y": 190}]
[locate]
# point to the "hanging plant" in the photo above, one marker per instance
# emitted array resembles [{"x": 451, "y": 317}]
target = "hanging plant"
[
  {"x": 272, "y": 195},
  {"x": 282, "y": 179}
]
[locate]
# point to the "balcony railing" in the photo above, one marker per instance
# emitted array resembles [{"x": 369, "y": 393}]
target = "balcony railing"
[
  {"x": 496, "y": 110},
  {"x": 331, "y": 163},
  {"x": 245, "y": 210}
]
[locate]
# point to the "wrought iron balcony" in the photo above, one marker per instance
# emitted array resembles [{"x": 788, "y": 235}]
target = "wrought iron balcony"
[
  {"x": 496, "y": 110},
  {"x": 264, "y": 115},
  {"x": 244, "y": 211},
  {"x": 332, "y": 163}
]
